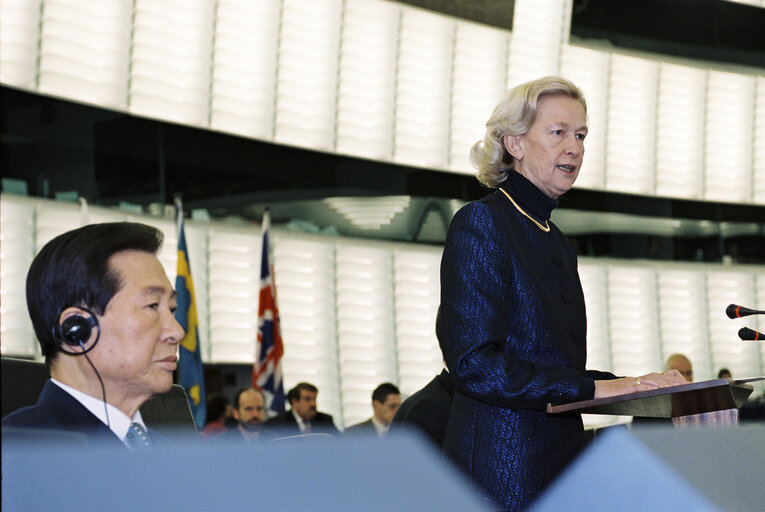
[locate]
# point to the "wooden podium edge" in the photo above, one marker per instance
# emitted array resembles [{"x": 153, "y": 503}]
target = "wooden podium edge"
[{"x": 587, "y": 406}]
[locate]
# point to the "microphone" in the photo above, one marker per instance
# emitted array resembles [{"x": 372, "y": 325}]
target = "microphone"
[
  {"x": 736, "y": 311},
  {"x": 747, "y": 334}
]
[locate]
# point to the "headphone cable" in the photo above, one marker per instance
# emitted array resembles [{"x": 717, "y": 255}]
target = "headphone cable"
[{"x": 100, "y": 380}]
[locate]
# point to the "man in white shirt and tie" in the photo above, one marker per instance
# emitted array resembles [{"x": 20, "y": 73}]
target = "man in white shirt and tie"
[
  {"x": 386, "y": 399},
  {"x": 102, "y": 309}
]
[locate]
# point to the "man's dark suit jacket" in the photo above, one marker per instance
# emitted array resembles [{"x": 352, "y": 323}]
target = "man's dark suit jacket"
[
  {"x": 365, "y": 428},
  {"x": 286, "y": 424},
  {"x": 427, "y": 410},
  {"x": 57, "y": 410}
]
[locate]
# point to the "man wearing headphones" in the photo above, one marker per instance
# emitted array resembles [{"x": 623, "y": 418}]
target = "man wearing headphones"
[{"x": 102, "y": 309}]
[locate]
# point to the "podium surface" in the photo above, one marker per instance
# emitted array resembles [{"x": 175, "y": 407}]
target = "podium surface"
[{"x": 689, "y": 399}]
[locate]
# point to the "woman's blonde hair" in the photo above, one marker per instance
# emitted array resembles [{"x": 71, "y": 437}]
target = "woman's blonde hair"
[{"x": 514, "y": 115}]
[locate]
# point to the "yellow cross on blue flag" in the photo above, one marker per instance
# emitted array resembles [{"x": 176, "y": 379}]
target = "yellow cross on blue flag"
[{"x": 190, "y": 372}]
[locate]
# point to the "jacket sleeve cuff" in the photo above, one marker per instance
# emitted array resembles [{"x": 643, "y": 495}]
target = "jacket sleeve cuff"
[{"x": 586, "y": 390}]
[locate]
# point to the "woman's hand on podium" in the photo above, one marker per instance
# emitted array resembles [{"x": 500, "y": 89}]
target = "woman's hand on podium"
[{"x": 627, "y": 385}]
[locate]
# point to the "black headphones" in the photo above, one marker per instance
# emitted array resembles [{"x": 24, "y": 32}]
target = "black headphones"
[{"x": 75, "y": 331}]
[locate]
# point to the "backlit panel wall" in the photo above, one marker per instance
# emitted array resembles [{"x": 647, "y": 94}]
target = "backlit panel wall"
[
  {"x": 233, "y": 286},
  {"x": 683, "y": 318},
  {"x": 17, "y": 248},
  {"x": 631, "y": 125},
  {"x": 365, "y": 336},
  {"x": 417, "y": 292},
  {"x": 85, "y": 50},
  {"x": 633, "y": 319},
  {"x": 589, "y": 70},
  {"x": 758, "y": 152},
  {"x": 423, "y": 83},
  {"x": 305, "y": 288},
  {"x": 539, "y": 29},
  {"x": 729, "y": 130},
  {"x": 243, "y": 92},
  {"x": 679, "y": 142},
  {"x": 381, "y": 80},
  {"x": 309, "y": 45},
  {"x": 355, "y": 313},
  {"x": 171, "y": 58},
  {"x": 478, "y": 82},
  {"x": 594, "y": 278},
  {"x": 20, "y": 42},
  {"x": 366, "y": 84},
  {"x": 726, "y": 349}
]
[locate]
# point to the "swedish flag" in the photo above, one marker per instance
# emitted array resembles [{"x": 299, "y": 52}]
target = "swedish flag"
[{"x": 190, "y": 373}]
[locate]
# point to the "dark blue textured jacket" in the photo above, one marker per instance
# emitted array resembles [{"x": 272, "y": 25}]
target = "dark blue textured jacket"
[{"x": 513, "y": 332}]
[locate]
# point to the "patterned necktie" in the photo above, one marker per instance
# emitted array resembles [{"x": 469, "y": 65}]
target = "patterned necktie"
[
  {"x": 137, "y": 437},
  {"x": 307, "y": 429}
]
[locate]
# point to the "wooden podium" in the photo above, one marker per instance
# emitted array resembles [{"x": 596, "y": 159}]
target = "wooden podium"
[{"x": 711, "y": 402}]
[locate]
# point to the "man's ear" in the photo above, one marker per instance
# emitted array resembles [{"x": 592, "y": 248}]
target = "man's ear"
[{"x": 513, "y": 146}]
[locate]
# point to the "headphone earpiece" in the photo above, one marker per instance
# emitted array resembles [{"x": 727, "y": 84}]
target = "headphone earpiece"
[{"x": 75, "y": 331}]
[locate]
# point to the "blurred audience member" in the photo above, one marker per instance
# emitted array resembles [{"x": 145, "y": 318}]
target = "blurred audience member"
[
  {"x": 249, "y": 411},
  {"x": 218, "y": 411},
  {"x": 680, "y": 363},
  {"x": 724, "y": 373},
  {"x": 386, "y": 399},
  {"x": 303, "y": 417}
]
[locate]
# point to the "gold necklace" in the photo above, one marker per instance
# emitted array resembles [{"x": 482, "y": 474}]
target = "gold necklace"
[{"x": 545, "y": 228}]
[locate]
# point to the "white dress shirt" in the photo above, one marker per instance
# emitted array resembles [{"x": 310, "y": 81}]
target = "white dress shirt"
[{"x": 119, "y": 422}]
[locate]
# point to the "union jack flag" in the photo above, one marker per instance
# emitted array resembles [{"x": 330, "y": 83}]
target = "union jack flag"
[{"x": 267, "y": 371}]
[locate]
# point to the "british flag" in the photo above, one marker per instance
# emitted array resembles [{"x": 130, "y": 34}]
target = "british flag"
[{"x": 269, "y": 349}]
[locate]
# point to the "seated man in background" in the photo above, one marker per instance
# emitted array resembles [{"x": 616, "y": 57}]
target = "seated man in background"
[
  {"x": 680, "y": 363},
  {"x": 302, "y": 418},
  {"x": 102, "y": 309},
  {"x": 386, "y": 399},
  {"x": 249, "y": 412}
]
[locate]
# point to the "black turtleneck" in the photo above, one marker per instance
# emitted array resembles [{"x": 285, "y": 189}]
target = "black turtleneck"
[{"x": 528, "y": 196}]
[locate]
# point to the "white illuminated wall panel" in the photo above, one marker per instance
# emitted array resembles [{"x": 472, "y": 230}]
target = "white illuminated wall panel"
[
  {"x": 758, "y": 151},
  {"x": 593, "y": 276},
  {"x": 727, "y": 350},
  {"x": 19, "y": 42},
  {"x": 244, "y": 67},
  {"x": 540, "y": 27},
  {"x": 478, "y": 82},
  {"x": 679, "y": 133},
  {"x": 758, "y": 324},
  {"x": 305, "y": 287},
  {"x": 422, "y": 90},
  {"x": 306, "y": 90},
  {"x": 683, "y": 317},
  {"x": 365, "y": 100},
  {"x": 728, "y": 150},
  {"x": 171, "y": 59},
  {"x": 233, "y": 288},
  {"x": 417, "y": 291},
  {"x": 631, "y": 130},
  {"x": 589, "y": 70},
  {"x": 17, "y": 248},
  {"x": 365, "y": 333},
  {"x": 84, "y": 50},
  {"x": 633, "y": 320}
]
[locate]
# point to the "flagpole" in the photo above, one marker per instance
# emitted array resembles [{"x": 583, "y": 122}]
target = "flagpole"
[
  {"x": 190, "y": 368},
  {"x": 269, "y": 347}
]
